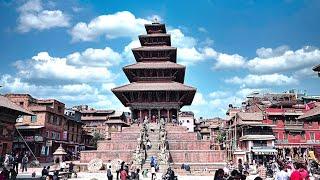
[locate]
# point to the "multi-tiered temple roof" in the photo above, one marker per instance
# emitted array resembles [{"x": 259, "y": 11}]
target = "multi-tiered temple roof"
[{"x": 156, "y": 81}]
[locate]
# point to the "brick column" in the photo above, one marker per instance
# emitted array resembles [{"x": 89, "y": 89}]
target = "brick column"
[{"x": 168, "y": 114}]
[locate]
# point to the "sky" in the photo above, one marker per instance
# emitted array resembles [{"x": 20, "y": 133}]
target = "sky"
[{"x": 74, "y": 51}]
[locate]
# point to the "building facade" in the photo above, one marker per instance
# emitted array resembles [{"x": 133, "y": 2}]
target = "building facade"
[
  {"x": 249, "y": 139},
  {"x": 186, "y": 119},
  {"x": 43, "y": 132},
  {"x": 9, "y": 112}
]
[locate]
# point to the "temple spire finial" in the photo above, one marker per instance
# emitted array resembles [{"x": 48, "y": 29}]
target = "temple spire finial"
[{"x": 155, "y": 21}]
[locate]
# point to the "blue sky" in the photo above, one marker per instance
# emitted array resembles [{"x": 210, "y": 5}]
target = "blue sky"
[{"x": 74, "y": 51}]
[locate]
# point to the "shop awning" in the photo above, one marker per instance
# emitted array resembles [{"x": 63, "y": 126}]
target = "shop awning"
[{"x": 265, "y": 151}]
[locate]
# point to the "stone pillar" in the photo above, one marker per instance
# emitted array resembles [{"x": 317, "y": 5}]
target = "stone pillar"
[
  {"x": 149, "y": 115},
  {"x": 168, "y": 114},
  {"x": 140, "y": 116},
  {"x": 159, "y": 115}
]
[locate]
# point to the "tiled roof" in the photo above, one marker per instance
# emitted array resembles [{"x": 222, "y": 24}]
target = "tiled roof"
[
  {"x": 154, "y": 48},
  {"x": 154, "y": 65},
  {"x": 316, "y": 68},
  {"x": 313, "y": 112},
  {"x": 154, "y": 86},
  {"x": 246, "y": 116},
  {"x": 257, "y": 137},
  {"x": 6, "y": 103},
  {"x": 154, "y": 35}
]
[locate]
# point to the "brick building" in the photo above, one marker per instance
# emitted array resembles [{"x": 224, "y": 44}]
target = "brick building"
[
  {"x": 249, "y": 138},
  {"x": 9, "y": 112},
  {"x": 284, "y": 112},
  {"x": 94, "y": 120},
  {"x": 42, "y": 132},
  {"x": 72, "y": 131},
  {"x": 186, "y": 118}
]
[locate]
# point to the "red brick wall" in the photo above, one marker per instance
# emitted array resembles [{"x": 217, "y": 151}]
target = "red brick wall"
[
  {"x": 117, "y": 145},
  {"x": 209, "y": 156},
  {"x": 87, "y": 156},
  {"x": 189, "y": 145},
  {"x": 182, "y": 136}
]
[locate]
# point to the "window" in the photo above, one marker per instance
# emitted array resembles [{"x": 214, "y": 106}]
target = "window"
[
  {"x": 54, "y": 120},
  {"x": 33, "y": 119},
  {"x": 188, "y": 121},
  {"x": 47, "y": 134},
  {"x": 58, "y": 136},
  {"x": 58, "y": 120},
  {"x": 51, "y": 119},
  {"x": 21, "y": 103},
  {"x": 312, "y": 136},
  {"x": 53, "y": 135},
  {"x": 303, "y": 136}
]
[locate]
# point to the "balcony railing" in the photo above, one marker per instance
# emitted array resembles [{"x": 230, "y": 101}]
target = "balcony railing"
[
  {"x": 294, "y": 127},
  {"x": 282, "y": 141},
  {"x": 313, "y": 141},
  {"x": 257, "y": 133}
]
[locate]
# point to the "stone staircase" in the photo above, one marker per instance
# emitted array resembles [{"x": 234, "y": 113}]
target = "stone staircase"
[
  {"x": 184, "y": 147},
  {"x": 153, "y": 135}
]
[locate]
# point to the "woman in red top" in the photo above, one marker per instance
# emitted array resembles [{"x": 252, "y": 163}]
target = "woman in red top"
[{"x": 123, "y": 174}]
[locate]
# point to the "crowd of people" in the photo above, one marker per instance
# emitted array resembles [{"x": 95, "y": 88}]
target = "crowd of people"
[
  {"x": 277, "y": 170},
  {"x": 10, "y": 165}
]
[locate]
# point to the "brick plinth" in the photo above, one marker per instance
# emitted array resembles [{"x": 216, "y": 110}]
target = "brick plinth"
[
  {"x": 182, "y": 136},
  {"x": 87, "y": 156},
  {"x": 197, "y": 156},
  {"x": 117, "y": 145},
  {"x": 189, "y": 145}
]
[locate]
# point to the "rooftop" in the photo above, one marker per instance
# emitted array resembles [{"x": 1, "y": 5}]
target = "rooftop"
[
  {"x": 246, "y": 116},
  {"x": 311, "y": 113},
  {"x": 316, "y": 68},
  {"x": 155, "y": 65},
  {"x": 6, "y": 103},
  {"x": 154, "y": 86}
]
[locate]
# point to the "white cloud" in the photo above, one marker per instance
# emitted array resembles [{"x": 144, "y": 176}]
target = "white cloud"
[
  {"x": 253, "y": 80},
  {"x": 120, "y": 24},
  {"x": 70, "y": 94},
  {"x": 198, "y": 99},
  {"x": 95, "y": 57},
  {"x": 33, "y": 16},
  {"x": 226, "y": 61},
  {"x": 44, "y": 66},
  {"x": 283, "y": 59},
  {"x": 218, "y": 94},
  {"x": 202, "y": 29}
]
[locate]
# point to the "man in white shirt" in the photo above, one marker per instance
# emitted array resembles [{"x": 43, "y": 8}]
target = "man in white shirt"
[{"x": 282, "y": 174}]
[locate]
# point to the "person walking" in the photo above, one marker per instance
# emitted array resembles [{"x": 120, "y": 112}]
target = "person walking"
[
  {"x": 153, "y": 172},
  {"x": 262, "y": 171},
  {"x": 24, "y": 163},
  {"x": 282, "y": 174},
  {"x": 16, "y": 163},
  {"x": 109, "y": 173},
  {"x": 123, "y": 174}
]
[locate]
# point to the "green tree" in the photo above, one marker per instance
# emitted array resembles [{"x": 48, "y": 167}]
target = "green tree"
[{"x": 97, "y": 137}]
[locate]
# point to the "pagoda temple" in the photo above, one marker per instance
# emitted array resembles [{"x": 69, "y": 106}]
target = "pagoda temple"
[{"x": 156, "y": 88}]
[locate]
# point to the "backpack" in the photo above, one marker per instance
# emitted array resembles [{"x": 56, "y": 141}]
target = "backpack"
[
  {"x": 25, "y": 160},
  {"x": 109, "y": 174}
]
